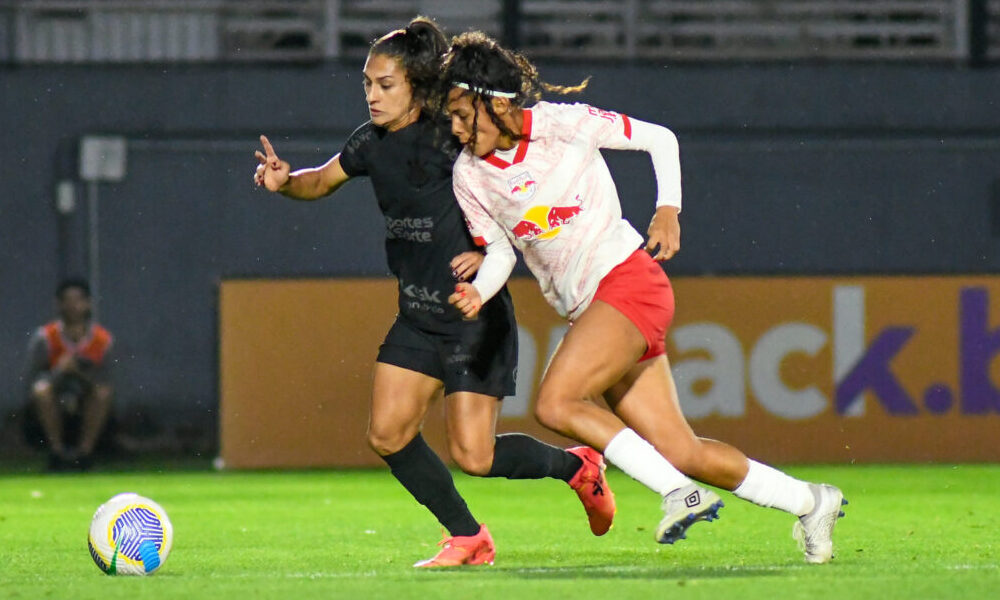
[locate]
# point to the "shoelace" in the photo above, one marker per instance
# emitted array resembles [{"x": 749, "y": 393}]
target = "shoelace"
[
  {"x": 446, "y": 542},
  {"x": 595, "y": 480}
]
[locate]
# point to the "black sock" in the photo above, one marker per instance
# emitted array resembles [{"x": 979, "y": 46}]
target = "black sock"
[
  {"x": 426, "y": 477},
  {"x": 520, "y": 456}
]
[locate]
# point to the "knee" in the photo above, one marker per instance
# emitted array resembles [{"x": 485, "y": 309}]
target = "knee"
[
  {"x": 386, "y": 440},
  {"x": 552, "y": 410},
  {"x": 41, "y": 393},
  {"x": 102, "y": 395},
  {"x": 474, "y": 460}
]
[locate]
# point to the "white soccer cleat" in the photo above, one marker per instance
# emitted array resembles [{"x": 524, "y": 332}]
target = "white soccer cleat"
[
  {"x": 684, "y": 507},
  {"x": 814, "y": 531}
]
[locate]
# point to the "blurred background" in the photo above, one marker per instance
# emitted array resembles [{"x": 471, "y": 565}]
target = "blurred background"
[{"x": 831, "y": 138}]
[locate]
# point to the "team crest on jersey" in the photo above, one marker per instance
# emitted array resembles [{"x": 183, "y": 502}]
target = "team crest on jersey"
[
  {"x": 545, "y": 222},
  {"x": 522, "y": 187}
]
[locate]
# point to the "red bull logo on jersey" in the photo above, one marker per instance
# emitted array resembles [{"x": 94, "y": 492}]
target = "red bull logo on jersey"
[
  {"x": 545, "y": 222},
  {"x": 522, "y": 187}
]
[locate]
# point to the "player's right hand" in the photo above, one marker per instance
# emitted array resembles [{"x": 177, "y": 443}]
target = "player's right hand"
[
  {"x": 664, "y": 234},
  {"x": 467, "y": 300},
  {"x": 272, "y": 172}
]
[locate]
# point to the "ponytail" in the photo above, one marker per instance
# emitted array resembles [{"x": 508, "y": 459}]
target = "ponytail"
[{"x": 419, "y": 48}]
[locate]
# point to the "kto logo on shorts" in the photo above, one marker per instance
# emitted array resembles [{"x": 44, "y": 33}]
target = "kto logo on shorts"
[{"x": 545, "y": 222}]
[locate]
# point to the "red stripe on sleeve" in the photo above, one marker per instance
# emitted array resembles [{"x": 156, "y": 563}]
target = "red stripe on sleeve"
[
  {"x": 480, "y": 241},
  {"x": 628, "y": 127}
]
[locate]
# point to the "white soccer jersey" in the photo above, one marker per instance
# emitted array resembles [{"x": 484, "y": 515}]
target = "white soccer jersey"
[{"x": 553, "y": 197}]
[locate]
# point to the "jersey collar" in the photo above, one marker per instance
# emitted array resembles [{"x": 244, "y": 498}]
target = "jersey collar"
[{"x": 522, "y": 145}]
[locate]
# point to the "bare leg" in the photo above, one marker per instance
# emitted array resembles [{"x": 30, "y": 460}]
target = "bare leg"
[
  {"x": 646, "y": 400},
  {"x": 400, "y": 399},
  {"x": 49, "y": 415},
  {"x": 598, "y": 350},
  {"x": 477, "y": 449},
  {"x": 472, "y": 430},
  {"x": 96, "y": 407}
]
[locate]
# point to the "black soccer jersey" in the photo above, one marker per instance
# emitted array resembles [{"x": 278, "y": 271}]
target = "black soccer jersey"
[{"x": 410, "y": 170}]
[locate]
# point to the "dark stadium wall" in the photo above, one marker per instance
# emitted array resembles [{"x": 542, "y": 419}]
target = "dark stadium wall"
[{"x": 789, "y": 169}]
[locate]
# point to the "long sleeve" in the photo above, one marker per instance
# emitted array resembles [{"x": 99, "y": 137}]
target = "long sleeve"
[
  {"x": 496, "y": 268},
  {"x": 661, "y": 144}
]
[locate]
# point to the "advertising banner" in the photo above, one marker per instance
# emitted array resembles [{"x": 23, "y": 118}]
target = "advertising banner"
[{"x": 804, "y": 369}]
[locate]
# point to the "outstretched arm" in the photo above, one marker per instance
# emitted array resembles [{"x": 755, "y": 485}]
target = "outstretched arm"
[{"x": 304, "y": 184}]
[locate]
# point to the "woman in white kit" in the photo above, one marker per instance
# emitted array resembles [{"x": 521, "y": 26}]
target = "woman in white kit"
[{"x": 534, "y": 177}]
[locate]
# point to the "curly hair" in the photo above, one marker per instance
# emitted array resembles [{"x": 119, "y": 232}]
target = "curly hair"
[
  {"x": 419, "y": 48},
  {"x": 477, "y": 61}
]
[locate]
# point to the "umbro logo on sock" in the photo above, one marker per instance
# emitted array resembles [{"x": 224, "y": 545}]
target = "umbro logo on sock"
[{"x": 692, "y": 499}]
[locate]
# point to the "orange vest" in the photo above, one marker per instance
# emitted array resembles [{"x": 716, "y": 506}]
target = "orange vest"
[{"x": 93, "y": 346}]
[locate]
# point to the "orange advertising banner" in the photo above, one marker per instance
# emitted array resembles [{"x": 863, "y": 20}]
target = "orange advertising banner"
[{"x": 804, "y": 369}]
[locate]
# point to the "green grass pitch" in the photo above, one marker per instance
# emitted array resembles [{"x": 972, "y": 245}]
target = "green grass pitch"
[{"x": 910, "y": 532}]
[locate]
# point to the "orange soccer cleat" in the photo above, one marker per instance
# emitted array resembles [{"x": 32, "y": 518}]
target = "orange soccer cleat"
[
  {"x": 592, "y": 488},
  {"x": 463, "y": 550}
]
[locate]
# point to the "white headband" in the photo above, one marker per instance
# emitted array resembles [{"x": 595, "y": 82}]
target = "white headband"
[{"x": 484, "y": 91}]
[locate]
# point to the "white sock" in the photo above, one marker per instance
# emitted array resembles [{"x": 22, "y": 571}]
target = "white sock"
[
  {"x": 640, "y": 461},
  {"x": 767, "y": 486}
]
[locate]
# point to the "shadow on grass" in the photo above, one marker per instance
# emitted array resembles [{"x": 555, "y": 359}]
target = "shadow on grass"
[{"x": 637, "y": 572}]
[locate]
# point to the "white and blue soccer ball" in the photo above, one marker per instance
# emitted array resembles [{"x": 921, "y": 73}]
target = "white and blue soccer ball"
[{"x": 130, "y": 535}]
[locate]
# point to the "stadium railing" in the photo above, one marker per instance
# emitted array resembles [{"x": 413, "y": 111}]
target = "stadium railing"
[
  {"x": 993, "y": 30},
  {"x": 747, "y": 29},
  {"x": 682, "y": 30},
  {"x": 163, "y": 30}
]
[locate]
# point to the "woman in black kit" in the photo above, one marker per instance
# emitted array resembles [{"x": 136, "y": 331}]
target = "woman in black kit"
[{"x": 407, "y": 151}]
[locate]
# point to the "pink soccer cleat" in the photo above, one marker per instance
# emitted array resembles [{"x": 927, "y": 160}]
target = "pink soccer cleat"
[
  {"x": 463, "y": 550},
  {"x": 592, "y": 488}
]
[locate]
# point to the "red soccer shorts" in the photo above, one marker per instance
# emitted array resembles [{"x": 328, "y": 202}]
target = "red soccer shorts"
[{"x": 640, "y": 290}]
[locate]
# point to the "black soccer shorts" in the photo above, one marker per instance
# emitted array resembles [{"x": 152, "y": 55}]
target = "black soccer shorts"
[{"x": 477, "y": 356}]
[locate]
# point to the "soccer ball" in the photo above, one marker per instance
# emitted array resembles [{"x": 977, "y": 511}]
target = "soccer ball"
[{"x": 130, "y": 535}]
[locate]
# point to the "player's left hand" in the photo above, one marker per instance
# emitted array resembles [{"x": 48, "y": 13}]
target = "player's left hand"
[
  {"x": 465, "y": 265},
  {"x": 466, "y": 299},
  {"x": 664, "y": 234}
]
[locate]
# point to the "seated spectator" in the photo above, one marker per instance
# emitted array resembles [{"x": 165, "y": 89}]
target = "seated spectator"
[{"x": 69, "y": 379}]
